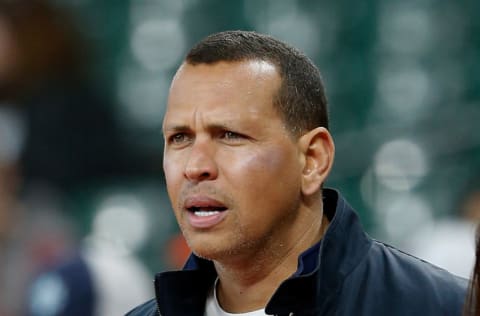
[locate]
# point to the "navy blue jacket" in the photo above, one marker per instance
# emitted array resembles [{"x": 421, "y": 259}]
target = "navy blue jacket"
[{"x": 354, "y": 275}]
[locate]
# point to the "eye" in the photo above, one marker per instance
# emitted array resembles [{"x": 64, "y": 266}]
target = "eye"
[
  {"x": 231, "y": 135},
  {"x": 233, "y": 138},
  {"x": 178, "y": 138}
]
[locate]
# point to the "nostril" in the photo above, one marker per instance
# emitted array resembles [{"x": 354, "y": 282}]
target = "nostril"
[{"x": 205, "y": 175}]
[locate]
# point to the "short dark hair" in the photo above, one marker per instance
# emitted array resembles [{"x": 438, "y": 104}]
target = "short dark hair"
[{"x": 301, "y": 98}]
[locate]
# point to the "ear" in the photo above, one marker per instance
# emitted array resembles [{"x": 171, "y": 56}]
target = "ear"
[{"x": 318, "y": 151}]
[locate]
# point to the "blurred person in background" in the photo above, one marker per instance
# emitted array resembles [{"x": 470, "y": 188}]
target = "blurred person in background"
[
  {"x": 56, "y": 135},
  {"x": 247, "y": 151},
  {"x": 34, "y": 233},
  {"x": 104, "y": 276}
]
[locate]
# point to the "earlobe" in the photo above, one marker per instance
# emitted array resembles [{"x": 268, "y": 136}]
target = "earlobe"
[{"x": 318, "y": 150}]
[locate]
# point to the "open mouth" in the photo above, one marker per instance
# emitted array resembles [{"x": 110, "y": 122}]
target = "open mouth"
[
  {"x": 206, "y": 211},
  {"x": 205, "y": 215}
]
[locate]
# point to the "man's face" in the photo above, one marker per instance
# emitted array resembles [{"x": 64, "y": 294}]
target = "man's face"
[{"x": 233, "y": 170}]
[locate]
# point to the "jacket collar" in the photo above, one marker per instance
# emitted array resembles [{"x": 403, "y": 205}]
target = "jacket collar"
[
  {"x": 344, "y": 245},
  {"x": 185, "y": 292}
]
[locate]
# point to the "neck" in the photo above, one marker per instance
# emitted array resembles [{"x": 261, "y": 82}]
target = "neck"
[{"x": 248, "y": 284}]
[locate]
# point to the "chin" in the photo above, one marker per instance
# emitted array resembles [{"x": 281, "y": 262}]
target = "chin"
[{"x": 209, "y": 251}]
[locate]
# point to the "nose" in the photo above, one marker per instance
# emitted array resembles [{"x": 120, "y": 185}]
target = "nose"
[{"x": 201, "y": 164}]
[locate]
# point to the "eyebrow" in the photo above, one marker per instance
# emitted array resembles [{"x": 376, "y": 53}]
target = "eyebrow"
[
  {"x": 182, "y": 128},
  {"x": 175, "y": 128}
]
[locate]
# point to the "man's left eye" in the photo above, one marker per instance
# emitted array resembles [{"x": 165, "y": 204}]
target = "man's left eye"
[{"x": 231, "y": 135}]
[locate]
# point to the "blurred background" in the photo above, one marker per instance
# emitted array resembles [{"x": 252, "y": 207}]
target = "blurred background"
[{"x": 83, "y": 87}]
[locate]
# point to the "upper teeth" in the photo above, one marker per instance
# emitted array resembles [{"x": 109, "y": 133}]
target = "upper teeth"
[{"x": 206, "y": 213}]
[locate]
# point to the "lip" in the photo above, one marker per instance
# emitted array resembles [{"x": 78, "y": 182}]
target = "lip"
[
  {"x": 206, "y": 221},
  {"x": 202, "y": 201}
]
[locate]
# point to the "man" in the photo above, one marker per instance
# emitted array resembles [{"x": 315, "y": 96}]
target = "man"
[{"x": 247, "y": 150}]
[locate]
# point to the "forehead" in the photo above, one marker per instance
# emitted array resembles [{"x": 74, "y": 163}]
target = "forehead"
[
  {"x": 224, "y": 87},
  {"x": 247, "y": 69}
]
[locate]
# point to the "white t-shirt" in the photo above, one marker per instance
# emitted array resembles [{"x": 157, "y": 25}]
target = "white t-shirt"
[{"x": 212, "y": 308}]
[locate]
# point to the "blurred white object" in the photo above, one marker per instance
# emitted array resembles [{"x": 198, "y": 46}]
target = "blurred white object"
[
  {"x": 120, "y": 228},
  {"x": 449, "y": 244},
  {"x": 113, "y": 275},
  {"x": 121, "y": 224},
  {"x": 400, "y": 164}
]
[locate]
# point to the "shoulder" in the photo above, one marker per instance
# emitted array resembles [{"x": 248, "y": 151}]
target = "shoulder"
[
  {"x": 387, "y": 257},
  {"x": 148, "y": 308},
  {"x": 413, "y": 279},
  {"x": 388, "y": 281},
  {"x": 407, "y": 262}
]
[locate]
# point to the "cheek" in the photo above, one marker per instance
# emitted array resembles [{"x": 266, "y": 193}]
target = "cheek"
[
  {"x": 265, "y": 169},
  {"x": 173, "y": 175},
  {"x": 168, "y": 169},
  {"x": 266, "y": 189}
]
